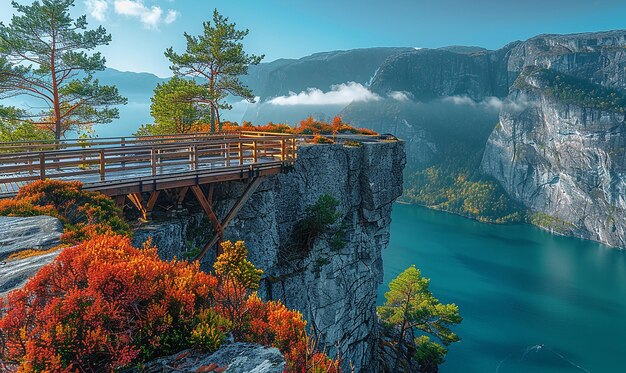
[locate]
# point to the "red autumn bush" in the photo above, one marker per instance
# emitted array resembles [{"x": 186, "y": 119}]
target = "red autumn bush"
[
  {"x": 102, "y": 305},
  {"x": 84, "y": 214}
]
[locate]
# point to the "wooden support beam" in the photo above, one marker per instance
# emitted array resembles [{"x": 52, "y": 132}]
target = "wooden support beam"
[
  {"x": 181, "y": 197},
  {"x": 136, "y": 199},
  {"x": 250, "y": 189},
  {"x": 208, "y": 210},
  {"x": 154, "y": 196},
  {"x": 120, "y": 202}
]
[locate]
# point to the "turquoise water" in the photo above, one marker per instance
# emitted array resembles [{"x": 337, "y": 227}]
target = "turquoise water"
[{"x": 531, "y": 301}]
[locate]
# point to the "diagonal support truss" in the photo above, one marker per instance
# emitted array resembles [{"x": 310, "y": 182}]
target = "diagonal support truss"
[{"x": 250, "y": 189}]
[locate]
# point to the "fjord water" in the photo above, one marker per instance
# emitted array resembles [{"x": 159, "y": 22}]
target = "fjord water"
[{"x": 531, "y": 301}]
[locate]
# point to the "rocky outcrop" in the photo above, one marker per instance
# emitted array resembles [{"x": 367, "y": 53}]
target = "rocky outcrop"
[
  {"x": 174, "y": 236},
  {"x": 37, "y": 232},
  {"x": 234, "y": 357},
  {"x": 597, "y": 56},
  {"x": 566, "y": 163},
  {"x": 334, "y": 286},
  {"x": 30, "y": 233}
]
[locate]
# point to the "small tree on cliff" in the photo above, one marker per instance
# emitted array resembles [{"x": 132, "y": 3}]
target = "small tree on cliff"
[
  {"x": 43, "y": 54},
  {"x": 218, "y": 57},
  {"x": 411, "y": 308}
]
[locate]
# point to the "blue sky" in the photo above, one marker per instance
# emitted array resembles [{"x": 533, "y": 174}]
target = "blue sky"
[{"x": 142, "y": 29}]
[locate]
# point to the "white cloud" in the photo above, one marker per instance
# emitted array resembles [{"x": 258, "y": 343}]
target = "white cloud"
[
  {"x": 401, "y": 96},
  {"x": 97, "y": 9},
  {"x": 340, "y": 94},
  {"x": 150, "y": 17},
  {"x": 460, "y": 100},
  {"x": 518, "y": 104},
  {"x": 171, "y": 16}
]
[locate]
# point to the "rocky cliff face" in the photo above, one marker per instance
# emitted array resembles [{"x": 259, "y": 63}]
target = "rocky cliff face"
[
  {"x": 564, "y": 161},
  {"x": 431, "y": 73},
  {"x": 597, "y": 56},
  {"x": 334, "y": 287},
  {"x": 562, "y": 151}
]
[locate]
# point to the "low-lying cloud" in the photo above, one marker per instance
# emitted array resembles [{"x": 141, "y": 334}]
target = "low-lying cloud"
[
  {"x": 340, "y": 94},
  {"x": 149, "y": 16},
  {"x": 492, "y": 103},
  {"x": 400, "y": 96}
]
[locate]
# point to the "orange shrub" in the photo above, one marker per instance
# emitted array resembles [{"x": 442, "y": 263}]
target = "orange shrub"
[
  {"x": 367, "y": 132},
  {"x": 102, "y": 305},
  {"x": 83, "y": 214},
  {"x": 308, "y": 126},
  {"x": 318, "y": 139}
]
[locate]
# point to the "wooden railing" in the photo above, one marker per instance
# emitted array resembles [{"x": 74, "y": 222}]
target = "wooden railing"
[{"x": 100, "y": 160}]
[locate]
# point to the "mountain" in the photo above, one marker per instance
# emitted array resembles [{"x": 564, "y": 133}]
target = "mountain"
[
  {"x": 563, "y": 152},
  {"x": 555, "y": 146},
  {"x": 432, "y": 73},
  {"x": 319, "y": 70}
]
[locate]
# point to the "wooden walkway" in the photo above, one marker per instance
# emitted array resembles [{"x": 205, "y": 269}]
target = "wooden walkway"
[{"x": 120, "y": 166}]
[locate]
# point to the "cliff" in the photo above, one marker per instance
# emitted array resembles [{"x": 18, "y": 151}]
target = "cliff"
[
  {"x": 432, "y": 73},
  {"x": 334, "y": 286},
  {"x": 564, "y": 158}
]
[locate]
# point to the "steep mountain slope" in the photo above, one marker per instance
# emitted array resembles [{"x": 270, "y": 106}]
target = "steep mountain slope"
[
  {"x": 432, "y": 73},
  {"x": 563, "y": 152}
]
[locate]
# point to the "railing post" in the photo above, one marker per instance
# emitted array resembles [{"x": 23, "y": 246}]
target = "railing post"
[
  {"x": 227, "y": 154},
  {"x": 282, "y": 150},
  {"x": 194, "y": 153},
  {"x": 42, "y": 166},
  {"x": 102, "y": 169},
  {"x": 254, "y": 151},
  {"x": 124, "y": 154},
  {"x": 153, "y": 160},
  {"x": 240, "y": 150}
]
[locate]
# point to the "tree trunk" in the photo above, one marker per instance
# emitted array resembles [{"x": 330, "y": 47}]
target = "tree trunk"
[{"x": 212, "y": 119}]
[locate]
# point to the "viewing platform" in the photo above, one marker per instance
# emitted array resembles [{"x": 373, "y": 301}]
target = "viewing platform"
[{"x": 120, "y": 166}]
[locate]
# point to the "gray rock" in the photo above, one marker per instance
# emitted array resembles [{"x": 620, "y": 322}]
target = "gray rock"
[
  {"x": 174, "y": 236},
  {"x": 238, "y": 357},
  {"x": 15, "y": 273},
  {"x": 38, "y": 232}
]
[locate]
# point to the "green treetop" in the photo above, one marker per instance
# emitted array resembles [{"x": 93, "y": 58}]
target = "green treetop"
[
  {"x": 175, "y": 107},
  {"x": 218, "y": 58},
  {"x": 410, "y": 314},
  {"x": 13, "y": 129},
  {"x": 43, "y": 54}
]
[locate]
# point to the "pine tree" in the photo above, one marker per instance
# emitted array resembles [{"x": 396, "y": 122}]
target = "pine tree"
[
  {"x": 411, "y": 308},
  {"x": 217, "y": 56},
  {"x": 44, "y": 55}
]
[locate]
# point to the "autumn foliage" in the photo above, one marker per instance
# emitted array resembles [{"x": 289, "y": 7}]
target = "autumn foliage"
[
  {"x": 308, "y": 126},
  {"x": 104, "y": 304},
  {"x": 83, "y": 214},
  {"x": 101, "y": 304}
]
